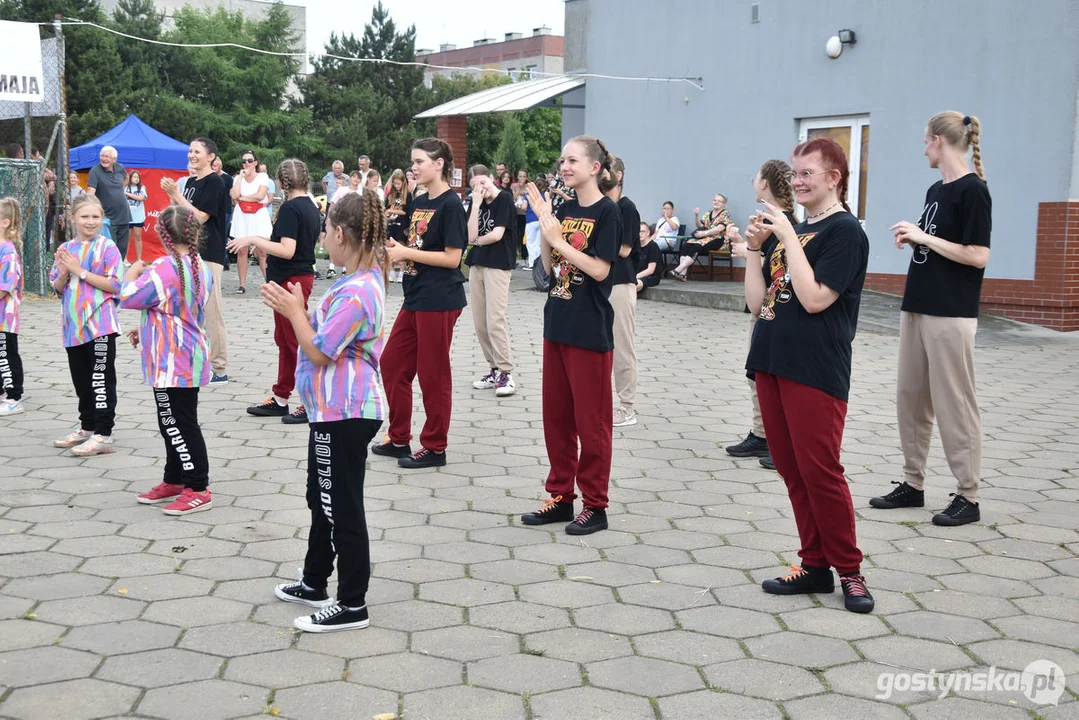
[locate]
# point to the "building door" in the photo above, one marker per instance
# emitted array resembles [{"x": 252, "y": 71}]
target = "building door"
[{"x": 852, "y": 134}]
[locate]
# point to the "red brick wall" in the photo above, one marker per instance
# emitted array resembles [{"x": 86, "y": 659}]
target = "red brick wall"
[
  {"x": 1051, "y": 299},
  {"x": 454, "y": 130}
]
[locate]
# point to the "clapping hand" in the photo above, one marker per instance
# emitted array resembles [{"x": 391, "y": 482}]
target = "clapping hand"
[
  {"x": 133, "y": 337},
  {"x": 287, "y": 303},
  {"x": 169, "y": 186},
  {"x": 550, "y": 227},
  {"x": 395, "y": 251},
  {"x": 781, "y": 226},
  {"x": 907, "y": 233},
  {"x": 68, "y": 262}
]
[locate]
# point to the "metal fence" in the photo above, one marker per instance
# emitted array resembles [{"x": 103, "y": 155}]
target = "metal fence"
[{"x": 24, "y": 180}]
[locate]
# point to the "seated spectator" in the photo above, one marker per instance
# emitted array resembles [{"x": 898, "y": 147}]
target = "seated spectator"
[
  {"x": 710, "y": 235},
  {"x": 666, "y": 234},
  {"x": 649, "y": 269}
]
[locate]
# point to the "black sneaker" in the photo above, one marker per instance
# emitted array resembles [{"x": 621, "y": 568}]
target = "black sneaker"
[
  {"x": 903, "y": 496},
  {"x": 588, "y": 522},
  {"x": 333, "y": 617},
  {"x": 268, "y": 408},
  {"x": 296, "y": 417},
  {"x": 297, "y": 593},
  {"x": 752, "y": 446},
  {"x": 553, "y": 510},
  {"x": 960, "y": 512},
  {"x": 766, "y": 462},
  {"x": 801, "y": 580},
  {"x": 388, "y": 449},
  {"x": 856, "y": 597},
  {"x": 423, "y": 459}
]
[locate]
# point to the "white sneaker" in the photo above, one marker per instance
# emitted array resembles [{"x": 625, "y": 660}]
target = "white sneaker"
[
  {"x": 488, "y": 381},
  {"x": 505, "y": 385},
  {"x": 95, "y": 445},
  {"x": 624, "y": 417},
  {"x": 11, "y": 407},
  {"x": 76, "y": 438}
]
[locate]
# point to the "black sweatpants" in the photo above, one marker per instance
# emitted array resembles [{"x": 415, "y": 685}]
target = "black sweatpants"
[
  {"x": 336, "y": 464},
  {"x": 186, "y": 462},
  {"x": 93, "y": 372},
  {"x": 10, "y": 366}
]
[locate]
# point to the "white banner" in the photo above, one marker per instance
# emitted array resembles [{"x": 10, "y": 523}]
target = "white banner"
[{"x": 21, "y": 75}]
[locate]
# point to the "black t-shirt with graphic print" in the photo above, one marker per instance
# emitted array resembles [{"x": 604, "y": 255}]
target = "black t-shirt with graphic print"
[
  {"x": 209, "y": 195},
  {"x": 813, "y": 349},
  {"x": 625, "y": 268},
  {"x": 496, "y": 213},
  {"x": 578, "y": 310},
  {"x": 437, "y": 223},
  {"x": 959, "y": 212},
  {"x": 298, "y": 219}
]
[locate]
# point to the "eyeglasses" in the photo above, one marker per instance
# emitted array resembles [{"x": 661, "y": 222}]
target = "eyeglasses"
[
  {"x": 804, "y": 175},
  {"x": 248, "y": 161}
]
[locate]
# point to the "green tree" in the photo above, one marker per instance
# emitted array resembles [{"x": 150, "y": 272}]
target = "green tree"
[
  {"x": 543, "y": 138},
  {"x": 511, "y": 147},
  {"x": 484, "y": 129}
]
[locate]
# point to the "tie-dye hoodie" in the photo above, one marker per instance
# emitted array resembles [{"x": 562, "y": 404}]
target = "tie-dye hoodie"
[
  {"x": 87, "y": 312},
  {"x": 11, "y": 285}
]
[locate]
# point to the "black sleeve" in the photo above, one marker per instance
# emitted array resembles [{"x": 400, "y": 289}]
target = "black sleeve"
[
  {"x": 976, "y": 208},
  {"x": 607, "y": 235},
  {"x": 407, "y": 207},
  {"x": 454, "y": 224},
  {"x": 843, "y": 258},
  {"x": 651, "y": 255},
  {"x": 503, "y": 212},
  {"x": 287, "y": 224}
]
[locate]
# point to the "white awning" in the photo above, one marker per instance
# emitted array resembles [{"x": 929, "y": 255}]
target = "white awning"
[{"x": 515, "y": 96}]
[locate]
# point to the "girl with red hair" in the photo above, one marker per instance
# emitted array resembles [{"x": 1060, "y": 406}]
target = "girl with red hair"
[{"x": 805, "y": 286}]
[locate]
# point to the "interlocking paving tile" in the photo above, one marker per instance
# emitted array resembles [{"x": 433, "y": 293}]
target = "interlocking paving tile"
[{"x": 474, "y": 614}]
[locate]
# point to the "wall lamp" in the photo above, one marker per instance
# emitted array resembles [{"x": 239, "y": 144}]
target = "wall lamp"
[{"x": 834, "y": 46}]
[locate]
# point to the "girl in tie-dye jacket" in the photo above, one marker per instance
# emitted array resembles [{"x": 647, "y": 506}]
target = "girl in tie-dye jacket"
[
  {"x": 86, "y": 276},
  {"x": 172, "y": 294},
  {"x": 11, "y": 285},
  {"x": 338, "y": 380}
]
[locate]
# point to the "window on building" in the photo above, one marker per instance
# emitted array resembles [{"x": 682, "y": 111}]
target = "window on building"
[
  {"x": 852, "y": 133},
  {"x": 530, "y": 72}
]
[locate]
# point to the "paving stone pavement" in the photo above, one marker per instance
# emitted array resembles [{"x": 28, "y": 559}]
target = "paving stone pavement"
[{"x": 108, "y": 608}]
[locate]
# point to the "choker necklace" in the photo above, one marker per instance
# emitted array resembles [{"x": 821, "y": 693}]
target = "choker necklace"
[{"x": 825, "y": 211}]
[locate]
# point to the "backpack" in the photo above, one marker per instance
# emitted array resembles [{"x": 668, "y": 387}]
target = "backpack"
[{"x": 539, "y": 276}]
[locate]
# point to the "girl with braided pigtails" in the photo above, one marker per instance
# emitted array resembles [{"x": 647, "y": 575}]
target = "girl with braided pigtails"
[
  {"x": 337, "y": 378},
  {"x": 172, "y": 294}
]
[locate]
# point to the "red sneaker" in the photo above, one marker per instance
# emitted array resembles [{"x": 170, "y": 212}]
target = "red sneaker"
[
  {"x": 189, "y": 502},
  {"x": 159, "y": 493}
]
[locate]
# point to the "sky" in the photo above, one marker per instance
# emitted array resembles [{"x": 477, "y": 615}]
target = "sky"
[{"x": 436, "y": 21}]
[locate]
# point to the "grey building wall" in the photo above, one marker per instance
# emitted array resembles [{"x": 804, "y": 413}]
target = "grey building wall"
[{"x": 1014, "y": 65}]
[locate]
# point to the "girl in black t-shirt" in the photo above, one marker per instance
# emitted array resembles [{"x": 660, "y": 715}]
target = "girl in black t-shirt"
[
  {"x": 805, "y": 284},
  {"x": 419, "y": 343},
  {"x": 579, "y": 245},
  {"x": 649, "y": 265},
  {"x": 398, "y": 212},
  {"x": 623, "y": 297},
  {"x": 772, "y": 183},
  {"x": 939, "y": 318},
  {"x": 290, "y": 260}
]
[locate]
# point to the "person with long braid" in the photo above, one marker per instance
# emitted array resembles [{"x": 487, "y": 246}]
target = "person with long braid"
[
  {"x": 11, "y": 287},
  {"x": 804, "y": 282},
  {"x": 772, "y": 183},
  {"x": 290, "y": 251},
  {"x": 172, "y": 293},
  {"x": 338, "y": 381},
  {"x": 939, "y": 318}
]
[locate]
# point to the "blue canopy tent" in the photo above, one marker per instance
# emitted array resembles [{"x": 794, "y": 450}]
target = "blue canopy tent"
[{"x": 138, "y": 146}]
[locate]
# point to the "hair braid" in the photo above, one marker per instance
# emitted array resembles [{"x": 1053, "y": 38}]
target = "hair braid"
[
  {"x": 374, "y": 232},
  {"x": 974, "y": 139},
  {"x": 9, "y": 209},
  {"x": 777, "y": 175},
  {"x": 168, "y": 241}
]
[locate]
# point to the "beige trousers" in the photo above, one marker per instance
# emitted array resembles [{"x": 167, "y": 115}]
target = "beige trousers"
[
  {"x": 758, "y": 423},
  {"x": 936, "y": 376},
  {"x": 490, "y": 295},
  {"x": 624, "y": 301},
  {"x": 215, "y": 323}
]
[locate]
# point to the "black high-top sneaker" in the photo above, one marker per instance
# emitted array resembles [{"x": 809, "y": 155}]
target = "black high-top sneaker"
[
  {"x": 960, "y": 512},
  {"x": 553, "y": 510},
  {"x": 903, "y": 496},
  {"x": 800, "y": 581}
]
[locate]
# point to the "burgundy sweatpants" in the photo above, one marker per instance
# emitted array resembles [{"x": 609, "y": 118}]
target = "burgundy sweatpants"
[
  {"x": 577, "y": 405},
  {"x": 287, "y": 345},
  {"x": 419, "y": 344},
  {"x": 805, "y": 429}
]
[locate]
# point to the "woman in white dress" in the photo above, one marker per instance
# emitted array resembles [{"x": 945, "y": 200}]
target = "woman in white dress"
[{"x": 251, "y": 216}]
